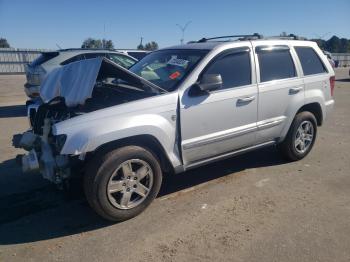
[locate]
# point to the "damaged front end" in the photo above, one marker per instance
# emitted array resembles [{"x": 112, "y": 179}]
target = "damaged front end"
[
  {"x": 71, "y": 91},
  {"x": 43, "y": 155}
]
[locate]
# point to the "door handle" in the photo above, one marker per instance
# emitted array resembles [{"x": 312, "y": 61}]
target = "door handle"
[
  {"x": 295, "y": 90},
  {"x": 245, "y": 99}
]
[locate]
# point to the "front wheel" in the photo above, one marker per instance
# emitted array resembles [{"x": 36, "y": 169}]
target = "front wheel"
[
  {"x": 300, "y": 138},
  {"x": 122, "y": 183}
]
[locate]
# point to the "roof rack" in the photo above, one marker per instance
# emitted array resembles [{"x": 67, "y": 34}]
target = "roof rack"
[
  {"x": 251, "y": 37},
  {"x": 244, "y": 37},
  {"x": 287, "y": 37}
]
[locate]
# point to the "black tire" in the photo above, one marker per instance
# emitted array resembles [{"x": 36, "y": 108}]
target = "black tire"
[
  {"x": 287, "y": 148},
  {"x": 99, "y": 171}
]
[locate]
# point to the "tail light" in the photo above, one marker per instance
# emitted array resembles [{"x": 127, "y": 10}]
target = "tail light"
[{"x": 332, "y": 84}]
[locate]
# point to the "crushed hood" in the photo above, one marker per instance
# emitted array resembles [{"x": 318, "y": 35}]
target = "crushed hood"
[{"x": 76, "y": 81}]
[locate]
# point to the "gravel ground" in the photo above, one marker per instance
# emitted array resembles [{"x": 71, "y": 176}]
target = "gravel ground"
[{"x": 254, "y": 207}]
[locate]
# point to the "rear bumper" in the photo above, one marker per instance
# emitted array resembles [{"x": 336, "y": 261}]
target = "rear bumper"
[{"x": 32, "y": 91}]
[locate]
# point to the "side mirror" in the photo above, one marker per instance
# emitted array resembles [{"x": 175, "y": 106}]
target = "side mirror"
[{"x": 210, "y": 82}]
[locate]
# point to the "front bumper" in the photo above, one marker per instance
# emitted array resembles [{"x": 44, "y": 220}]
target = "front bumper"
[{"x": 41, "y": 156}]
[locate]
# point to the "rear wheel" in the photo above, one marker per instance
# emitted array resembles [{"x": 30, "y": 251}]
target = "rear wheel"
[
  {"x": 300, "y": 138},
  {"x": 122, "y": 183}
]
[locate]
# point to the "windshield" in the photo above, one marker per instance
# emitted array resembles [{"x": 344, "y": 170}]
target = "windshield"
[{"x": 166, "y": 68}]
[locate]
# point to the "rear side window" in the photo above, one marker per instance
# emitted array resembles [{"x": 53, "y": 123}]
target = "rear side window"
[
  {"x": 234, "y": 68},
  {"x": 275, "y": 64},
  {"x": 310, "y": 61}
]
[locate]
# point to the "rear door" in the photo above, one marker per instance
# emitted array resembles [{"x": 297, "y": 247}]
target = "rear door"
[{"x": 281, "y": 90}]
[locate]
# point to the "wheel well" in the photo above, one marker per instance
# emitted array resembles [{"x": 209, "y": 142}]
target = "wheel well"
[
  {"x": 315, "y": 109},
  {"x": 146, "y": 141}
]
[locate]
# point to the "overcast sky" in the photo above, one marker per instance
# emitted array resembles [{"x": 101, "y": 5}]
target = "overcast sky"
[{"x": 45, "y": 23}]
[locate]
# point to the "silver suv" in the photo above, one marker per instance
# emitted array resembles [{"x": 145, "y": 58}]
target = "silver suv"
[
  {"x": 47, "y": 61},
  {"x": 177, "y": 109}
]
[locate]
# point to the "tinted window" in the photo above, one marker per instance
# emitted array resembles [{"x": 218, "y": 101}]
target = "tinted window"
[
  {"x": 43, "y": 58},
  {"x": 275, "y": 64},
  {"x": 73, "y": 59},
  {"x": 82, "y": 57},
  {"x": 94, "y": 55},
  {"x": 138, "y": 55},
  {"x": 235, "y": 69},
  {"x": 310, "y": 61}
]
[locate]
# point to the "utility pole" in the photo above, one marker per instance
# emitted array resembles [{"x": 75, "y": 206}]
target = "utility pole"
[{"x": 183, "y": 28}]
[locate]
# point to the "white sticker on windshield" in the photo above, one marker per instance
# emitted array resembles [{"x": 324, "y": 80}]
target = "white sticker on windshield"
[{"x": 178, "y": 62}]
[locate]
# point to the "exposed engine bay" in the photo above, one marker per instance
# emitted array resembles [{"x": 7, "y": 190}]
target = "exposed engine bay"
[{"x": 104, "y": 95}]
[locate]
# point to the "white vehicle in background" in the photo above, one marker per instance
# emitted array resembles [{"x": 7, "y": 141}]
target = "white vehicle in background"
[{"x": 47, "y": 61}]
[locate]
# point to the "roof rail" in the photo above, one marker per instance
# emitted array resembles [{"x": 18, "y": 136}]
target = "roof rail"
[
  {"x": 290, "y": 37},
  {"x": 245, "y": 37}
]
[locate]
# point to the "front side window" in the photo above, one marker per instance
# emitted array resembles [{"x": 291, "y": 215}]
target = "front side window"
[
  {"x": 166, "y": 68},
  {"x": 275, "y": 63},
  {"x": 310, "y": 61},
  {"x": 234, "y": 68}
]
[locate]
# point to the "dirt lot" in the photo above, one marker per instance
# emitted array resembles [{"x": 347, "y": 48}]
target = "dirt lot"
[{"x": 254, "y": 207}]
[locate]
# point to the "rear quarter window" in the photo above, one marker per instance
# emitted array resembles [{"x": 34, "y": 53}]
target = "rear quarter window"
[
  {"x": 44, "y": 57},
  {"x": 73, "y": 59},
  {"x": 275, "y": 64},
  {"x": 310, "y": 61}
]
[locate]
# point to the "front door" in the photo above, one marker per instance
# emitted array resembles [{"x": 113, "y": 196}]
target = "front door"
[{"x": 224, "y": 120}]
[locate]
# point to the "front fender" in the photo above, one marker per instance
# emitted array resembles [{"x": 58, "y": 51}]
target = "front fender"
[{"x": 90, "y": 135}]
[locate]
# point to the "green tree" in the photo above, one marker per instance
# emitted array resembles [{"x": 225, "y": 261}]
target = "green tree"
[
  {"x": 97, "y": 43},
  {"x": 321, "y": 43},
  {"x": 140, "y": 47},
  {"x": 4, "y": 43},
  {"x": 333, "y": 44},
  {"x": 108, "y": 44},
  {"x": 151, "y": 46}
]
